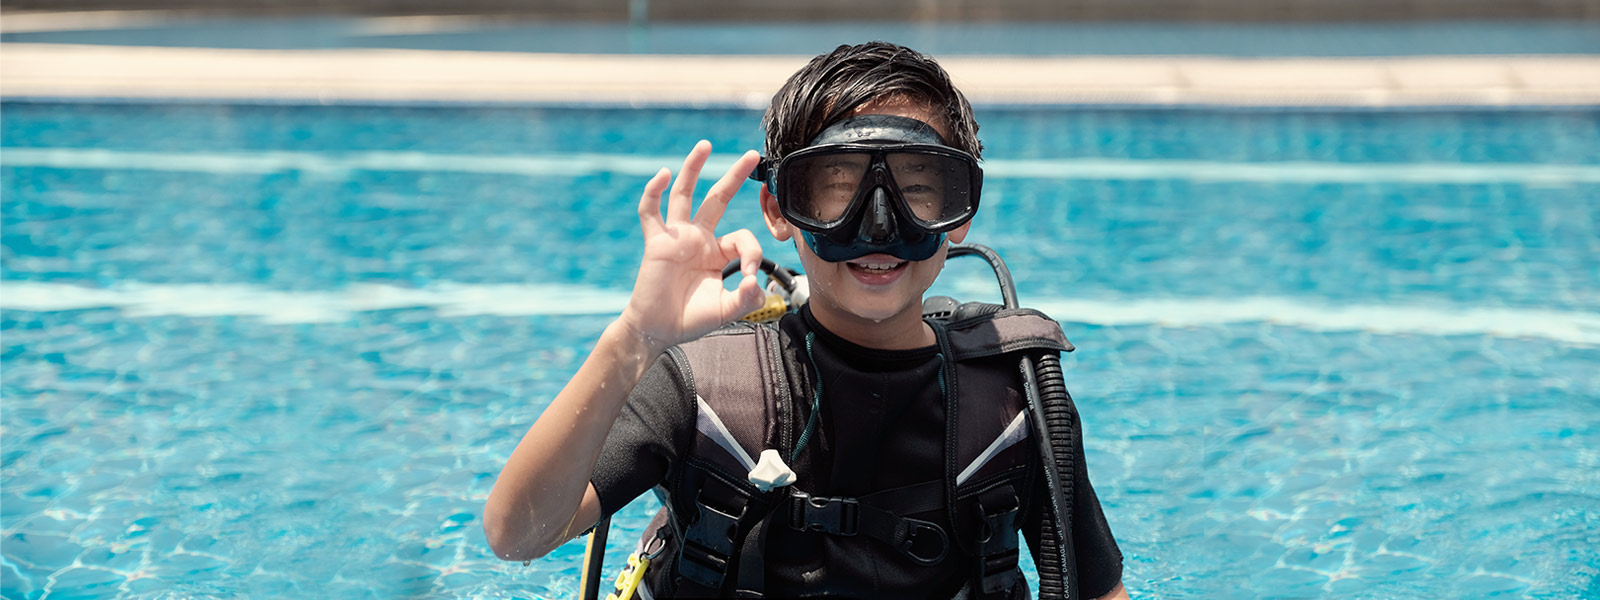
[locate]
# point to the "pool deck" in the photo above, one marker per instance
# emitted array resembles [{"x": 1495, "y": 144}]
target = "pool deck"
[{"x": 366, "y": 75}]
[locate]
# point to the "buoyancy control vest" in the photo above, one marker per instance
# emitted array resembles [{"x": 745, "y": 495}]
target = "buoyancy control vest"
[{"x": 709, "y": 537}]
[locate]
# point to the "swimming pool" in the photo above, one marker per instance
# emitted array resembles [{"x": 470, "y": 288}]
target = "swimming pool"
[{"x": 273, "y": 350}]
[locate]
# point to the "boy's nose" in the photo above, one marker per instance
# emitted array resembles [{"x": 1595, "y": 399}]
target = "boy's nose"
[{"x": 878, "y": 225}]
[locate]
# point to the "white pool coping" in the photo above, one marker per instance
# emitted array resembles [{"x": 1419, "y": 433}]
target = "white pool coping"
[{"x": 356, "y": 75}]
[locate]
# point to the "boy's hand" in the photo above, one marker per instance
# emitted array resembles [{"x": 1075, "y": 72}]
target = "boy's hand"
[{"x": 679, "y": 295}]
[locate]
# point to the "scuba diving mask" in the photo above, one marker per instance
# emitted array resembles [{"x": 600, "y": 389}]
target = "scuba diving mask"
[{"x": 875, "y": 184}]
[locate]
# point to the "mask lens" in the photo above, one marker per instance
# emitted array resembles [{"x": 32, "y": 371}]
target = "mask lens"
[
  {"x": 937, "y": 188},
  {"x": 818, "y": 189}
]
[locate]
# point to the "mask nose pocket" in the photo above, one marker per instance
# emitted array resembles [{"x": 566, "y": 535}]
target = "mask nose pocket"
[{"x": 878, "y": 224}]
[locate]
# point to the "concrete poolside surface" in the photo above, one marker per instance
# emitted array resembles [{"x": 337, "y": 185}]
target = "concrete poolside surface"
[{"x": 62, "y": 70}]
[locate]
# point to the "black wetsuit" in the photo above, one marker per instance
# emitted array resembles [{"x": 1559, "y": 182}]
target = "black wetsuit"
[{"x": 881, "y": 426}]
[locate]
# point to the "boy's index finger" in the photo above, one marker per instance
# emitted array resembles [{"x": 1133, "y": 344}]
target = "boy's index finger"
[
  {"x": 717, "y": 199},
  {"x": 650, "y": 202}
]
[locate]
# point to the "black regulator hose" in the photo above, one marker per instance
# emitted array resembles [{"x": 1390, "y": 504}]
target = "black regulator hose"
[
  {"x": 1008, "y": 289},
  {"x": 1057, "y": 578},
  {"x": 783, "y": 275},
  {"x": 1051, "y": 412},
  {"x": 594, "y": 556}
]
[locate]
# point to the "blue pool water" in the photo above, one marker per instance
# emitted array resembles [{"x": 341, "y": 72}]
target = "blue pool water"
[{"x": 274, "y": 351}]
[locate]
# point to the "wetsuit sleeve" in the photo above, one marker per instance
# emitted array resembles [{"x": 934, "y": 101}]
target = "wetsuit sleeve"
[
  {"x": 649, "y": 437},
  {"x": 1099, "y": 561}
]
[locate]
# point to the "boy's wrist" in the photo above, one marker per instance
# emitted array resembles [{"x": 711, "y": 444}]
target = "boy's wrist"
[{"x": 632, "y": 342}]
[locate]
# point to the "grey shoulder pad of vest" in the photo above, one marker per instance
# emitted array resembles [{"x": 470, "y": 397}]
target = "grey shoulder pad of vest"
[
  {"x": 731, "y": 346},
  {"x": 735, "y": 372},
  {"x": 1004, "y": 331}
]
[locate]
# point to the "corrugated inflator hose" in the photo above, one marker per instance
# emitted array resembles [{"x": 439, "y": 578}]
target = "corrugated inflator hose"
[{"x": 1054, "y": 414}]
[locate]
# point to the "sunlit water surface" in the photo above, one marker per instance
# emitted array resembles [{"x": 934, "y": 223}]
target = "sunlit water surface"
[{"x": 278, "y": 351}]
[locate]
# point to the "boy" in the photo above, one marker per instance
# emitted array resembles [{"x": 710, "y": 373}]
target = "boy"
[{"x": 852, "y": 402}]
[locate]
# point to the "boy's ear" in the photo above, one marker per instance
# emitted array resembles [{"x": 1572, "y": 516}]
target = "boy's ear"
[
  {"x": 774, "y": 216},
  {"x": 959, "y": 233}
]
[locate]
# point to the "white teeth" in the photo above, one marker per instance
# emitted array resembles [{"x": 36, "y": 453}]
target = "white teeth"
[{"x": 876, "y": 266}]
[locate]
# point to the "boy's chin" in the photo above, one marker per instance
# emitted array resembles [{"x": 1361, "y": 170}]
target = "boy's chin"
[
  {"x": 879, "y": 305},
  {"x": 874, "y": 313},
  {"x": 864, "y": 316}
]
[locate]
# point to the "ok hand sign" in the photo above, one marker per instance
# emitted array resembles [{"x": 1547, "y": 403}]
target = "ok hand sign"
[{"x": 678, "y": 295}]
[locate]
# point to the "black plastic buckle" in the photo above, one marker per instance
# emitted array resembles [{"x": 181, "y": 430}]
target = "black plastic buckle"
[
  {"x": 707, "y": 547},
  {"x": 917, "y": 530},
  {"x": 997, "y": 550},
  {"x": 838, "y": 516}
]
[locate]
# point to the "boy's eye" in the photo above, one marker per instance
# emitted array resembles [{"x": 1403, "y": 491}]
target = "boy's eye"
[{"x": 845, "y": 165}]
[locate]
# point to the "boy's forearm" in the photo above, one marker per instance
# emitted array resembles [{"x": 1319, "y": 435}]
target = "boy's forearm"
[
  {"x": 535, "y": 504},
  {"x": 531, "y": 508}
]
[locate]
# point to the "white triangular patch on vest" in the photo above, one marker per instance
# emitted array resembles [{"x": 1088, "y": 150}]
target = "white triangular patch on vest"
[
  {"x": 1015, "y": 432},
  {"x": 711, "y": 426}
]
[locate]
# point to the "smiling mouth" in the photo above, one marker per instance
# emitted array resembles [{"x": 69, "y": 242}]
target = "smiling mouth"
[{"x": 876, "y": 267}]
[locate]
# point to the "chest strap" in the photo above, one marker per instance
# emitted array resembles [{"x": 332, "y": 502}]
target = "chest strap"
[{"x": 878, "y": 516}]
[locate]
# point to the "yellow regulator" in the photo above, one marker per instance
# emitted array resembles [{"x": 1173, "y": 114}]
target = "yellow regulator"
[{"x": 772, "y": 310}]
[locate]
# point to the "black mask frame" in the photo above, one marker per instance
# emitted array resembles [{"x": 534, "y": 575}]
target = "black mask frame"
[
  {"x": 878, "y": 218},
  {"x": 877, "y": 176}
]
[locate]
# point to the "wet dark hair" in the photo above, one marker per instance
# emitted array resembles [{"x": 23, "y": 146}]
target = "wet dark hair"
[{"x": 831, "y": 85}]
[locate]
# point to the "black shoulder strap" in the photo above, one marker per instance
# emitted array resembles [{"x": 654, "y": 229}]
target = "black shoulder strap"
[
  {"x": 992, "y": 424},
  {"x": 741, "y": 396},
  {"x": 738, "y": 375}
]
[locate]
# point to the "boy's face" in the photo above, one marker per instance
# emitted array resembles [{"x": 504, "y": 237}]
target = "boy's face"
[{"x": 875, "y": 289}]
